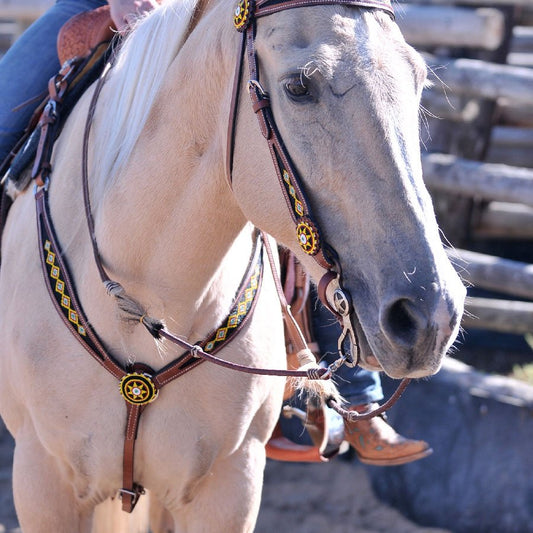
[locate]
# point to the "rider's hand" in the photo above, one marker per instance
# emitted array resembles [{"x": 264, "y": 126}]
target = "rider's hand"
[{"x": 125, "y": 12}]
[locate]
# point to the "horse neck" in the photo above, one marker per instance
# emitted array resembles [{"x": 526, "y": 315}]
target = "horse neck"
[
  {"x": 178, "y": 237},
  {"x": 180, "y": 247}
]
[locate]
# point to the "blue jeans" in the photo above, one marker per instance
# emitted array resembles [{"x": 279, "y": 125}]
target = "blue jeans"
[
  {"x": 28, "y": 65},
  {"x": 356, "y": 385}
]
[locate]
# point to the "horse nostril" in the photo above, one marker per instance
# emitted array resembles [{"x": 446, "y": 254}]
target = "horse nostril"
[{"x": 403, "y": 321}]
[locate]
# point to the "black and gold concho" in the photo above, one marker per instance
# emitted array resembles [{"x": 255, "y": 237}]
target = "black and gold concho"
[
  {"x": 138, "y": 389},
  {"x": 242, "y": 15},
  {"x": 307, "y": 235}
]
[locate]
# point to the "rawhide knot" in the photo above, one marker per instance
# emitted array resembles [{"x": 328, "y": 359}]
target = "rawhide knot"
[{"x": 317, "y": 373}]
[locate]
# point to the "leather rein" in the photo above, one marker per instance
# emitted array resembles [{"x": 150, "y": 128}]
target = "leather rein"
[{"x": 138, "y": 383}]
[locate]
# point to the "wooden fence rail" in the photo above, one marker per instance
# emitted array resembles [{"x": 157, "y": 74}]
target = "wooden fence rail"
[
  {"x": 505, "y": 316},
  {"x": 448, "y": 173},
  {"x": 522, "y": 39},
  {"x": 511, "y": 146},
  {"x": 451, "y": 26},
  {"x": 486, "y": 186},
  {"x": 494, "y": 273},
  {"x": 483, "y": 79},
  {"x": 501, "y": 220},
  {"x": 19, "y": 14},
  {"x": 27, "y": 10}
]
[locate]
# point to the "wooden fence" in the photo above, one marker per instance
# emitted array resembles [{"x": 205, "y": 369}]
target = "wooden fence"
[
  {"x": 478, "y": 161},
  {"x": 26, "y": 10},
  {"x": 16, "y": 16},
  {"x": 477, "y": 133}
]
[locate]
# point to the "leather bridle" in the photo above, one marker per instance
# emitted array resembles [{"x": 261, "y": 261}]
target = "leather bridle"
[
  {"x": 309, "y": 236},
  {"x": 308, "y": 233}
]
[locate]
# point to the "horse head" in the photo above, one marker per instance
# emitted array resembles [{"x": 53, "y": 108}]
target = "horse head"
[{"x": 345, "y": 88}]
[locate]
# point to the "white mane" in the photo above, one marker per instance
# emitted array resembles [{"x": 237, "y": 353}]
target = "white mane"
[{"x": 133, "y": 84}]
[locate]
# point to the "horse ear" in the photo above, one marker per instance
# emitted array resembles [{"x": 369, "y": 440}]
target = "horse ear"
[{"x": 83, "y": 32}]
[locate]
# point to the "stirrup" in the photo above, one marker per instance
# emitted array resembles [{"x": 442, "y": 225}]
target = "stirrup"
[{"x": 324, "y": 427}]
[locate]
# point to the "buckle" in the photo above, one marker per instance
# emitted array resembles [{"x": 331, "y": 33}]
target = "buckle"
[{"x": 135, "y": 494}]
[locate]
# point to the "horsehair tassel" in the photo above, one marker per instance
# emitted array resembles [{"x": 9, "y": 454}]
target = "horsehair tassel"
[
  {"x": 316, "y": 383},
  {"x": 133, "y": 309}
]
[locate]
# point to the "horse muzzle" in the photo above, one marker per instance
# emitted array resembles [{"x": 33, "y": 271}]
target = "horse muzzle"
[{"x": 409, "y": 341}]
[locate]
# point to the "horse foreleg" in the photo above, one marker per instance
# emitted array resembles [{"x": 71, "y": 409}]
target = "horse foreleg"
[
  {"x": 44, "y": 500},
  {"x": 228, "y": 498},
  {"x": 110, "y": 518},
  {"x": 161, "y": 520}
]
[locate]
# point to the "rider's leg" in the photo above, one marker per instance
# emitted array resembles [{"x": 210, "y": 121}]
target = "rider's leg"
[{"x": 28, "y": 65}]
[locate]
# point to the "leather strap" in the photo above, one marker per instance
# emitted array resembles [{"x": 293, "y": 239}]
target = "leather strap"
[
  {"x": 292, "y": 328},
  {"x": 295, "y": 197},
  {"x": 307, "y": 228},
  {"x": 5, "y": 205},
  {"x": 130, "y": 491},
  {"x": 308, "y": 233},
  {"x": 85, "y": 172},
  {"x": 354, "y": 416},
  {"x": 232, "y": 121},
  {"x": 267, "y": 7},
  {"x": 62, "y": 291},
  {"x": 49, "y": 121}
]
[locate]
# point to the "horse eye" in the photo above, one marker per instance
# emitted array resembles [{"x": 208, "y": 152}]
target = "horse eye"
[{"x": 296, "y": 88}]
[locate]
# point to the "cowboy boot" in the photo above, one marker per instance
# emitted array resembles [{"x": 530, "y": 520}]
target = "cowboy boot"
[{"x": 376, "y": 443}]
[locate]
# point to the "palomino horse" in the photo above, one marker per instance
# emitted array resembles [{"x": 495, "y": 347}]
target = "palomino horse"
[{"x": 344, "y": 89}]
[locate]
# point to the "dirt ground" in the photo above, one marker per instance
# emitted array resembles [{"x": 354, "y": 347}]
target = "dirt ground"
[
  {"x": 315, "y": 498},
  {"x": 326, "y": 498}
]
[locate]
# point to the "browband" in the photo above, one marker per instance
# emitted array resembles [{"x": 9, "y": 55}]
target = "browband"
[{"x": 262, "y": 8}]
